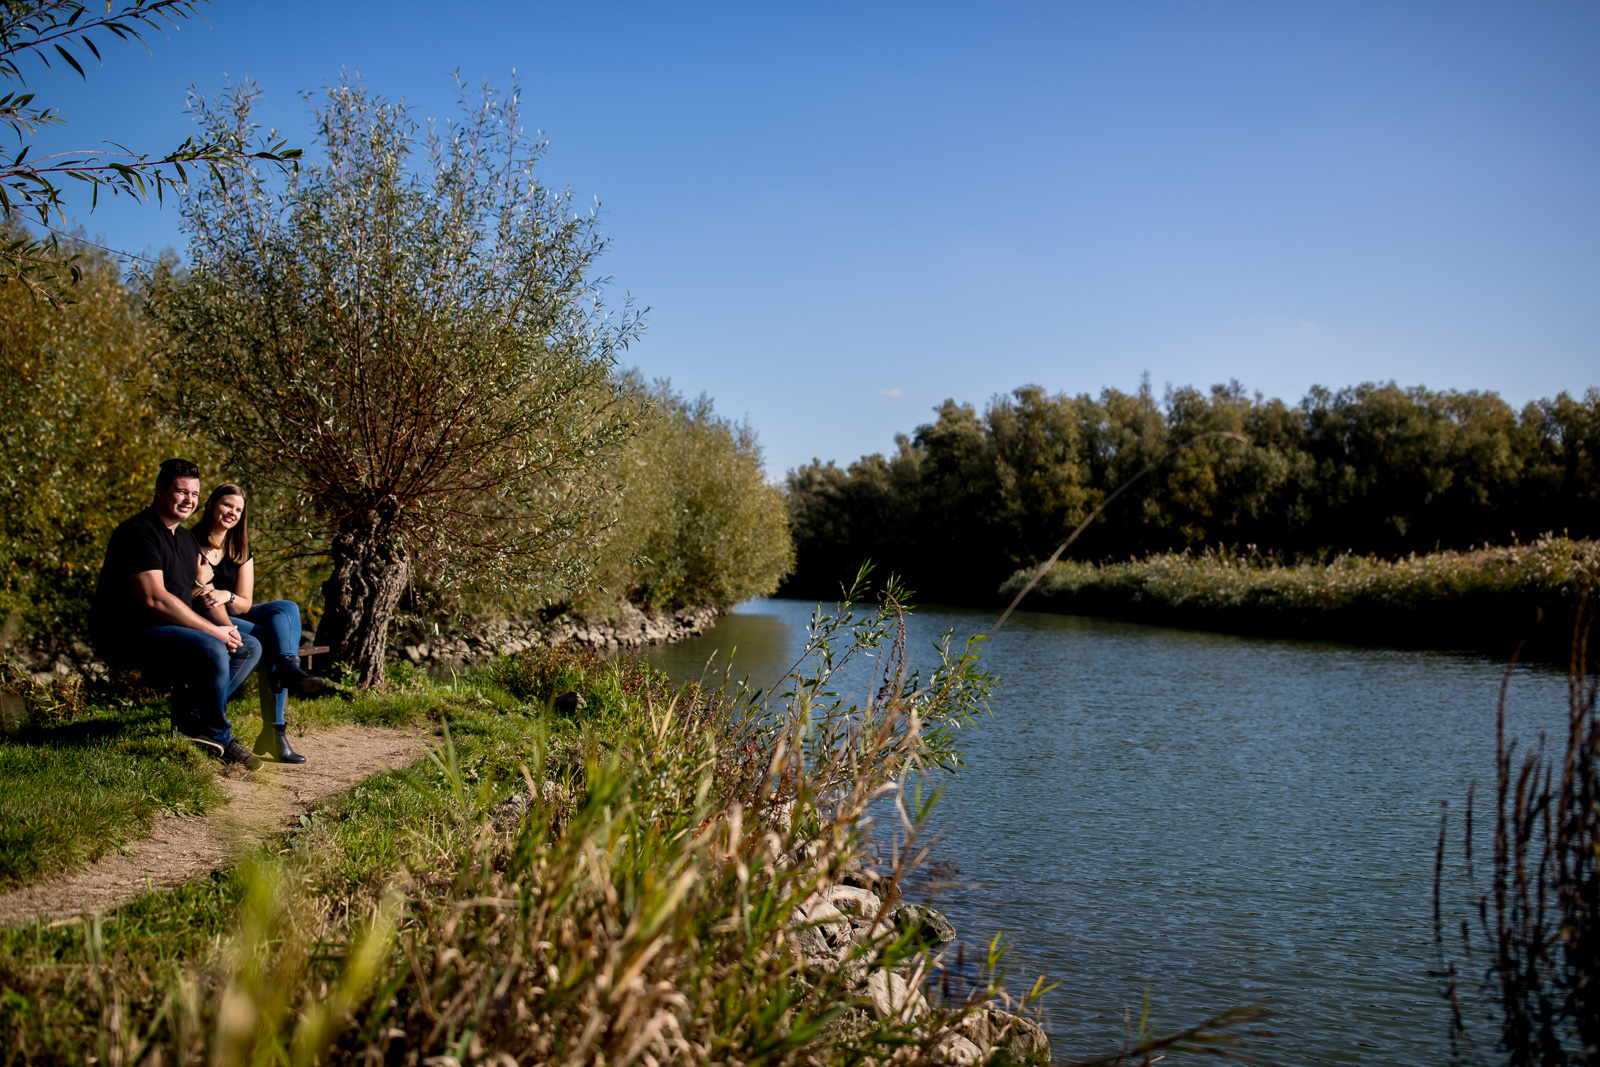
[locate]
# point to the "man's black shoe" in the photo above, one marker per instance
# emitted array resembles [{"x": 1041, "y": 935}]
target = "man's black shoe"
[
  {"x": 236, "y": 753},
  {"x": 273, "y": 743},
  {"x": 289, "y": 676},
  {"x": 205, "y": 744}
]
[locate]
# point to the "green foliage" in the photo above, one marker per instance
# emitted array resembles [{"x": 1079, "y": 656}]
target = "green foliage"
[
  {"x": 1553, "y": 568},
  {"x": 421, "y": 335},
  {"x": 82, "y": 441},
  {"x": 697, "y": 524},
  {"x": 1373, "y": 469},
  {"x": 58, "y": 700},
  {"x": 66, "y": 30},
  {"x": 543, "y": 673}
]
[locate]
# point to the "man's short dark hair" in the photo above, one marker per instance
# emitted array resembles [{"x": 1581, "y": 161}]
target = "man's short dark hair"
[{"x": 173, "y": 469}]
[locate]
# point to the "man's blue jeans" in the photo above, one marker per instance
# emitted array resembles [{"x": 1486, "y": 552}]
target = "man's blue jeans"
[
  {"x": 276, "y": 624},
  {"x": 201, "y": 670}
]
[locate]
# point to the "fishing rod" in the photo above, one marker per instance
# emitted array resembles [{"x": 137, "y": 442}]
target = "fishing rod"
[{"x": 1095, "y": 514}]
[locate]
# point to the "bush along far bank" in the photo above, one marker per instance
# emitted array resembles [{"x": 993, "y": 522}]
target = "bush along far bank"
[{"x": 1488, "y": 600}]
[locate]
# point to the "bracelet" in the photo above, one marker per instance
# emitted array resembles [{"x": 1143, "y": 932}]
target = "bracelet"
[{"x": 232, "y": 596}]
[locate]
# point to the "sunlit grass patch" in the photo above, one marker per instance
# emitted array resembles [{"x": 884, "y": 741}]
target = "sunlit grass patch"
[{"x": 75, "y": 791}]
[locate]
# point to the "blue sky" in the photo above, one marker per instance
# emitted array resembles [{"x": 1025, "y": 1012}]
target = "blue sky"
[{"x": 842, "y": 214}]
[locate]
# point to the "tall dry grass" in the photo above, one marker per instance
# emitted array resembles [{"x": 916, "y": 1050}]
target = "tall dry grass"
[{"x": 1525, "y": 988}]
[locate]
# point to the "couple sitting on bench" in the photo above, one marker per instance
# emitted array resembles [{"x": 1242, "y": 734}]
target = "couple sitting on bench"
[{"x": 176, "y": 605}]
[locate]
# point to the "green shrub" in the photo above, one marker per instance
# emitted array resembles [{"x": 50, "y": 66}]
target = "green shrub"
[
  {"x": 1492, "y": 600},
  {"x": 81, "y": 441},
  {"x": 697, "y": 523},
  {"x": 1555, "y": 567}
]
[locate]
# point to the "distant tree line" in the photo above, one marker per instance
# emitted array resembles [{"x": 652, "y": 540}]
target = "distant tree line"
[{"x": 1372, "y": 469}]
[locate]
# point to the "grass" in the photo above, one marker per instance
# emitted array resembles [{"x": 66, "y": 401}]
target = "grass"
[
  {"x": 75, "y": 791},
  {"x": 80, "y": 788},
  {"x": 1489, "y": 599},
  {"x": 53, "y": 980}
]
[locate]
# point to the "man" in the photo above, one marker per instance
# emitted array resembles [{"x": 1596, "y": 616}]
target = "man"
[{"x": 140, "y": 617}]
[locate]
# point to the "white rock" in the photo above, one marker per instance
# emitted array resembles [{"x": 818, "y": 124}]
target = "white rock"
[
  {"x": 849, "y": 898},
  {"x": 958, "y": 1051},
  {"x": 894, "y": 998}
]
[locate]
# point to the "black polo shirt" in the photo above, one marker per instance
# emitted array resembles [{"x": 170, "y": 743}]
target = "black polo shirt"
[{"x": 143, "y": 543}]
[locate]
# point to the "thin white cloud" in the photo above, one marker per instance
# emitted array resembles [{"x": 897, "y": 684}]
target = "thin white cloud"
[{"x": 897, "y": 394}]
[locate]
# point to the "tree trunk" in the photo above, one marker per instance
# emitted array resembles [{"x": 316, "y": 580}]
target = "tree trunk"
[{"x": 370, "y": 571}]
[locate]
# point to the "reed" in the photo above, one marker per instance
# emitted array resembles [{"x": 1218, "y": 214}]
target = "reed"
[
  {"x": 1526, "y": 987},
  {"x": 1489, "y": 599}
]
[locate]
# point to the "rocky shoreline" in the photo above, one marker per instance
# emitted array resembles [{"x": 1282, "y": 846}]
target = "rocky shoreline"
[{"x": 433, "y": 647}]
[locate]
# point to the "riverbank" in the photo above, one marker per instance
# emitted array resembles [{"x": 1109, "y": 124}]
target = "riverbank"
[
  {"x": 596, "y": 863},
  {"x": 1487, "y": 601}
]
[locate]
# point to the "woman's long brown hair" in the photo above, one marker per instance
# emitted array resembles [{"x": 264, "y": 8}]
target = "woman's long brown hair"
[{"x": 236, "y": 542}]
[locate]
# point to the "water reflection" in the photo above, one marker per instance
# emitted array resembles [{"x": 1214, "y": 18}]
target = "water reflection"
[
  {"x": 1218, "y": 819},
  {"x": 754, "y": 643}
]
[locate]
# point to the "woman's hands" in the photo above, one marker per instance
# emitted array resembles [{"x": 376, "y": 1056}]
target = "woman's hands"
[
  {"x": 202, "y": 577},
  {"x": 216, "y": 598}
]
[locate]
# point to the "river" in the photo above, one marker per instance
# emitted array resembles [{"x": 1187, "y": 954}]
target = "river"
[{"x": 1209, "y": 820}]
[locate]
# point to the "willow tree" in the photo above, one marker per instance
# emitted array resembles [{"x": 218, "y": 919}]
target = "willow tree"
[{"x": 405, "y": 343}]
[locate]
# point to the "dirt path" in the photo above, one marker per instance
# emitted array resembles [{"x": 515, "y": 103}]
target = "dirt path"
[{"x": 183, "y": 849}]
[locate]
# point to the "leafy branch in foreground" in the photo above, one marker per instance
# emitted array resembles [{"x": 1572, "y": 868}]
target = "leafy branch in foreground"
[{"x": 66, "y": 30}]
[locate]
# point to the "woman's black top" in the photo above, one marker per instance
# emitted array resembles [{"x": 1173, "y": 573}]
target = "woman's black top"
[{"x": 225, "y": 575}]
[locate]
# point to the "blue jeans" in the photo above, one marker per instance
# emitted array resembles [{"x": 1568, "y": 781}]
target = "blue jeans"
[
  {"x": 276, "y": 624},
  {"x": 201, "y": 670}
]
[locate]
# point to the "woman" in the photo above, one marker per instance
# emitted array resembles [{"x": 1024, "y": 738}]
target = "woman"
[{"x": 225, "y": 585}]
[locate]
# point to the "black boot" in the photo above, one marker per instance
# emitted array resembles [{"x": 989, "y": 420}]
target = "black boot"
[
  {"x": 273, "y": 743},
  {"x": 289, "y": 676}
]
